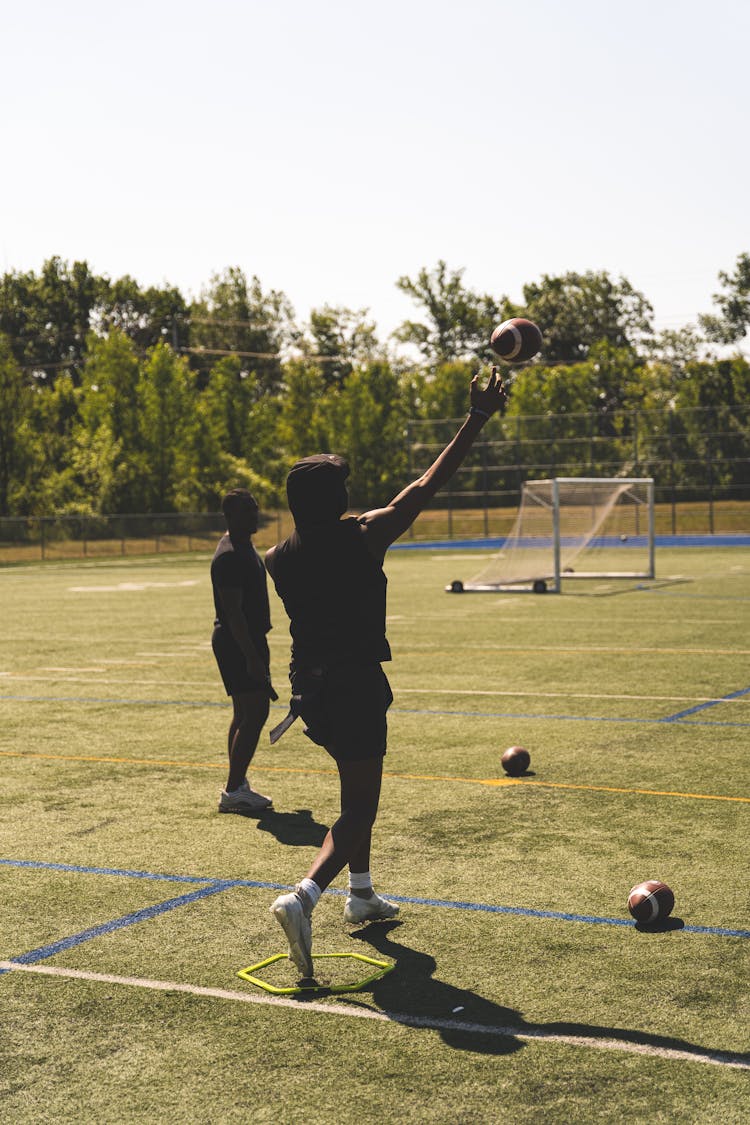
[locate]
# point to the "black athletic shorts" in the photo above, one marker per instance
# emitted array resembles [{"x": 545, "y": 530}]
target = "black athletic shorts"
[
  {"x": 232, "y": 663},
  {"x": 344, "y": 710}
]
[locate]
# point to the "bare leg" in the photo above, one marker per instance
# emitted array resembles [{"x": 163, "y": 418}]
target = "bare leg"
[
  {"x": 250, "y": 713},
  {"x": 360, "y": 860},
  {"x": 233, "y": 729},
  {"x": 348, "y": 841}
]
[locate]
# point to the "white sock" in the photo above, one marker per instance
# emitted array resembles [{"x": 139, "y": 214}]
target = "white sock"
[
  {"x": 360, "y": 881},
  {"x": 311, "y": 889}
]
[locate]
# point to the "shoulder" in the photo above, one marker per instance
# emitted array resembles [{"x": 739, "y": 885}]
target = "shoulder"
[
  {"x": 227, "y": 565},
  {"x": 375, "y": 532},
  {"x": 223, "y": 550},
  {"x": 275, "y": 555},
  {"x": 270, "y": 558}
]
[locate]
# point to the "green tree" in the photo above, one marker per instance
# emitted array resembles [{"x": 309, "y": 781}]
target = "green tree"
[
  {"x": 47, "y": 317},
  {"x": 302, "y": 426},
  {"x": 234, "y": 316},
  {"x": 15, "y": 426},
  {"x": 366, "y": 423},
  {"x": 343, "y": 337},
  {"x": 110, "y": 389},
  {"x": 575, "y": 311},
  {"x": 228, "y": 399},
  {"x": 565, "y": 389},
  {"x": 458, "y": 322},
  {"x": 712, "y": 412},
  {"x": 147, "y": 316},
  {"x": 445, "y": 391},
  {"x": 733, "y": 321},
  {"x": 56, "y": 421},
  {"x": 166, "y": 399},
  {"x": 110, "y": 403}
]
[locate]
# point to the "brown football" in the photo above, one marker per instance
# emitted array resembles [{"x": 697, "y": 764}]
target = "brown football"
[
  {"x": 516, "y": 340},
  {"x": 515, "y": 760},
  {"x": 651, "y": 901}
]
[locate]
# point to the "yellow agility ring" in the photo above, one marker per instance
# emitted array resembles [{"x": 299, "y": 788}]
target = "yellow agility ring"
[{"x": 381, "y": 968}]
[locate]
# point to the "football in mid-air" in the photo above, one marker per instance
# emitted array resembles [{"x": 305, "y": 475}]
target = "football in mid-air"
[
  {"x": 515, "y": 761},
  {"x": 516, "y": 340},
  {"x": 651, "y": 901}
]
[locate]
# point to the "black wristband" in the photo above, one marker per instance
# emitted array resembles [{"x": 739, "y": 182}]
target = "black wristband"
[{"x": 476, "y": 410}]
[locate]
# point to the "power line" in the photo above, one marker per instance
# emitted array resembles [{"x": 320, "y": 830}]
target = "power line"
[{"x": 262, "y": 355}]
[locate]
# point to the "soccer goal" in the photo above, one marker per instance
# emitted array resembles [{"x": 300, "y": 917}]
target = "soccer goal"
[{"x": 573, "y": 527}]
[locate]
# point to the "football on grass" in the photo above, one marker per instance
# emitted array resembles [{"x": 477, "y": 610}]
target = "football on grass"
[
  {"x": 650, "y": 902},
  {"x": 516, "y": 340},
  {"x": 515, "y": 760}
]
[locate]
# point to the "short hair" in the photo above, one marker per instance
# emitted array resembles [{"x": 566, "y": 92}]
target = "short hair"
[{"x": 236, "y": 501}]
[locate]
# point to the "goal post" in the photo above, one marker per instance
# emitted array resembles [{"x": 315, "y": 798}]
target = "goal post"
[{"x": 573, "y": 527}]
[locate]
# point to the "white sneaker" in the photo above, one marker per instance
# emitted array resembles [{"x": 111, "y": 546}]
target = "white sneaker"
[
  {"x": 243, "y": 799},
  {"x": 290, "y": 914},
  {"x": 374, "y": 909}
]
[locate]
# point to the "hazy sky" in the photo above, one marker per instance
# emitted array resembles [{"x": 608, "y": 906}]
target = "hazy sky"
[{"x": 330, "y": 148}]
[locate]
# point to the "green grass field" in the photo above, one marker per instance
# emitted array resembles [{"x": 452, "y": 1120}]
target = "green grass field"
[{"x": 522, "y": 992}]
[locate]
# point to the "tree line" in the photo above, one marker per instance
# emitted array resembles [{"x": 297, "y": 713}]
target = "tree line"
[{"x": 118, "y": 398}]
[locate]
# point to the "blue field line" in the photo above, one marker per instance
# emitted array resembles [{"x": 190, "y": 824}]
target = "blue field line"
[
  {"x": 125, "y": 702},
  {"x": 124, "y": 872},
  {"x": 45, "y": 951},
  {"x": 560, "y": 916},
  {"x": 663, "y": 591},
  {"x": 392, "y": 711},
  {"x": 214, "y": 885},
  {"x": 564, "y": 718},
  {"x": 702, "y": 706},
  {"x": 78, "y": 870}
]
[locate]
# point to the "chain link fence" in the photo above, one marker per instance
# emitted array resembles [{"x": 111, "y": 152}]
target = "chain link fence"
[
  {"x": 25, "y": 539},
  {"x": 699, "y": 459}
]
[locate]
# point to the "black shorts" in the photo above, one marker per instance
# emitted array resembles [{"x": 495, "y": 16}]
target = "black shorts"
[
  {"x": 232, "y": 663},
  {"x": 344, "y": 710}
]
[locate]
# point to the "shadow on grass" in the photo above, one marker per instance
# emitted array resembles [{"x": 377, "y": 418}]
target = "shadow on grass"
[
  {"x": 411, "y": 989},
  {"x": 660, "y": 927},
  {"x": 640, "y": 587},
  {"x": 411, "y": 995},
  {"x": 296, "y": 829}
]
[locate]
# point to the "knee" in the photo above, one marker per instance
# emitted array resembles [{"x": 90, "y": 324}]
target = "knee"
[
  {"x": 251, "y": 712},
  {"x": 363, "y": 809}
]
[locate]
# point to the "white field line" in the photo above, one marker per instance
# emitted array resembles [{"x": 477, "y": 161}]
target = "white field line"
[
  {"x": 583, "y": 650},
  {"x": 568, "y": 695},
  {"x": 428, "y": 1022},
  {"x": 13, "y": 676},
  {"x": 130, "y": 587},
  {"x": 93, "y": 680}
]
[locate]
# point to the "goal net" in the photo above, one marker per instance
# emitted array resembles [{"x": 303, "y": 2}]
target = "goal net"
[{"x": 574, "y": 527}]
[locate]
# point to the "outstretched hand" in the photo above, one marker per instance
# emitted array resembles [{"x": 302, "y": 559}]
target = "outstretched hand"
[{"x": 493, "y": 397}]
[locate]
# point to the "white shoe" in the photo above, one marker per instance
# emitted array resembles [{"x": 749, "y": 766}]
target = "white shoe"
[
  {"x": 290, "y": 914},
  {"x": 375, "y": 909},
  {"x": 243, "y": 799}
]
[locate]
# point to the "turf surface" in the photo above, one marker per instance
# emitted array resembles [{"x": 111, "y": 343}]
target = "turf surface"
[{"x": 521, "y": 990}]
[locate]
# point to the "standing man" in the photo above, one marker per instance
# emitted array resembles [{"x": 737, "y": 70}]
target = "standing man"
[
  {"x": 329, "y": 573},
  {"x": 239, "y": 643}
]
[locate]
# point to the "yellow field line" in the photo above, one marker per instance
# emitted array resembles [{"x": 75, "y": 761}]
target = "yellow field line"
[
  {"x": 614, "y": 789},
  {"x": 495, "y": 782},
  {"x": 150, "y": 762}
]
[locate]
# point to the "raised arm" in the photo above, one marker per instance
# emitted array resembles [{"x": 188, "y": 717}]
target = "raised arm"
[{"x": 383, "y": 526}]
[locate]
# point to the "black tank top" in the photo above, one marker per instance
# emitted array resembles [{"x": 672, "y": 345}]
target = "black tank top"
[
  {"x": 239, "y": 565},
  {"x": 333, "y": 590}
]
